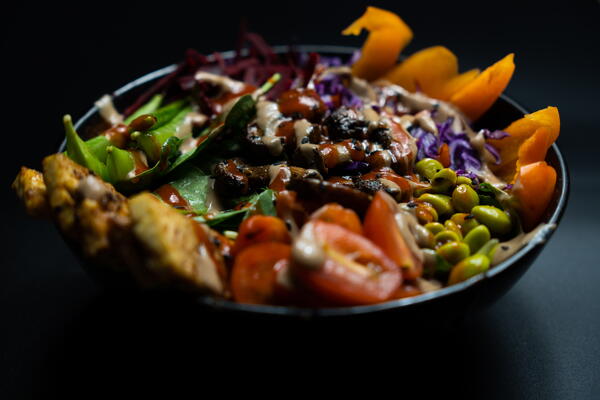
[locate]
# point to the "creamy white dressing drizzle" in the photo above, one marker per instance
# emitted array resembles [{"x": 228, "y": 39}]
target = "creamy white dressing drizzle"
[
  {"x": 275, "y": 170},
  {"x": 225, "y": 83},
  {"x": 212, "y": 201},
  {"x": 306, "y": 249},
  {"x": 107, "y": 110},
  {"x": 428, "y": 285},
  {"x": 205, "y": 268},
  {"x": 92, "y": 188},
  {"x": 510, "y": 247},
  {"x": 302, "y": 129},
  {"x": 193, "y": 118}
]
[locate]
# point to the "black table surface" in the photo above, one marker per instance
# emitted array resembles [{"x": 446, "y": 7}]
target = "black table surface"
[{"x": 60, "y": 330}]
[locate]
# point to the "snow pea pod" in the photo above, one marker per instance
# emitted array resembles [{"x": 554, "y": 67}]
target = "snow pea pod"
[
  {"x": 79, "y": 152},
  {"x": 150, "y": 107},
  {"x": 119, "y": 164},
  {"x": 152, "y": 141}
]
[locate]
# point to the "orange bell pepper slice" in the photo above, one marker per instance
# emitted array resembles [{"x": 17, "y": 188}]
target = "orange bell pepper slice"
[
  {"x": 388, "y": 35},
  {"x": 433, "y": 71},
  {"x": 533, "y": 188},
  {"x": 539, "y": 129},
  {"x": 478, "y": 95}
]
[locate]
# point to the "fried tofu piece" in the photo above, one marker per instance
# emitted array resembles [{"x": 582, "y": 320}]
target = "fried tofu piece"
[
  {"x": 31, "y": 189},
  {"x": 176, "y": 249},
  {"x": 87, "y": 209}
]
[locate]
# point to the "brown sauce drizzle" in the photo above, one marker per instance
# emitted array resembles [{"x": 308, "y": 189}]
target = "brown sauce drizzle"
[
  {"x": 171, "y": 196},
  {"x": 302, "y": 103}
]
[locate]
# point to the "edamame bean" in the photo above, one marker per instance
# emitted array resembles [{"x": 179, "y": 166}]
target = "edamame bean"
[
  {"x": 441, "y": 203},
  {"x": 454, "y": 252},
  {"x": 443, "y": 181},
  {"x": 434, "y": 227},
  {"x": 495, "y": 219},
  {"x": 426, "y": 213},
  {"x": 463, "y": 180},
  {"x": 477, "y": 237},
  {"x": 468, "y": 268},
  {"x": 489, "y": 249},
  {"x": 424, "y": 237},
  {"x": 444, "y": 237},
  {"x": 428, "y": 167},
  {"x": 464, "y": 198},
  {"x": 453, "y": 226},
  {"x": 465, "y": 221}
]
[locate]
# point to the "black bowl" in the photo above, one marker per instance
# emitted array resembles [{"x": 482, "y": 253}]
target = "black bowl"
[{"x": 446, "y": 304}]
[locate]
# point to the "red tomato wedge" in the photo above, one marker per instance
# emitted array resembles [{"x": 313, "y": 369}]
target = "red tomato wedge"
[
  {"x": 336, "y": 214},
  {"x": 258, "y": 229},
  {"x": 341, "y": 267},
  {"x": 381, "y": 228},
  {"x": 255, "y": 272}
]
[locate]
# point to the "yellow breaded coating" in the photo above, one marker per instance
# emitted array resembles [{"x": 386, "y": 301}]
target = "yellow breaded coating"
[
  {"x": 174, "y": 250},
  {"x": 31, "y": 189}
]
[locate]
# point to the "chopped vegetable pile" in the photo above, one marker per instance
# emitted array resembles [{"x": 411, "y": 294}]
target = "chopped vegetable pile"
[{"x": 301, "y": 179}]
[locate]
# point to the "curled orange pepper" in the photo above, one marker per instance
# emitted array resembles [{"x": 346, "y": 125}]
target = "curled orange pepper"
[
  {"x": 433, "y": 70},
  {"x": 480, "y": 94},
  {"x": 529, "y": 139},
  {"x": 533, "y": 188},
  {"x": 388, "y": 35}
]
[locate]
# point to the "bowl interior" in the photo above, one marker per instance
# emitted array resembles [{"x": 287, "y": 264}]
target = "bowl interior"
[{"x": 500, "y": 115}]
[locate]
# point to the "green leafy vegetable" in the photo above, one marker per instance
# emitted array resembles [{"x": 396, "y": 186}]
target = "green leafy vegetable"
[
  {"x": 150, "y": 107},
  {"x": 259, "y": 203},
  {"x": 168, "y": 151},
  {"x": 193, "y": 185},
  {"x": 241, "y": 113},
  {"x": 79, "y": 152},
  {"x": 487, "y": 195},
  {"x": 151, "y": 142}
]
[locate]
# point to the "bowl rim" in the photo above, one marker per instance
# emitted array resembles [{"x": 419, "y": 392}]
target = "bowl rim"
[{"x": 538, "y": 240}]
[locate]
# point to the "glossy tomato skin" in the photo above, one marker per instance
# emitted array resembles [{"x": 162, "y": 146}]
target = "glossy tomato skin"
[
  {"x": 381, "y": 228},
  {"x": 258, "y": 229},
  {"x": 254, "y": 278},
  {"x": 336, "y": 214},
  {"x": 343, "y": 268}
]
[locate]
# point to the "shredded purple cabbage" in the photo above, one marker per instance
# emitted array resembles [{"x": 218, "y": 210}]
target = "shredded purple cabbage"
[
  {"x": 331, "y": 85},
  {"x": 463, "y": 156}
]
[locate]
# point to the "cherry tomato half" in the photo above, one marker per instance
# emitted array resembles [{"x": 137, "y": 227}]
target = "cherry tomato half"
[
  {"x": 381, "y": 228},
  {"x": 258, "y": 229},
  {"x": 342, "y": 267},
  {"x": 255, "y": 272},
  {"x": 336, "y": 214}
]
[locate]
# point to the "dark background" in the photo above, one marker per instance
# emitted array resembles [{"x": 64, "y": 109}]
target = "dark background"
[{"x": 60, "y": 332}]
